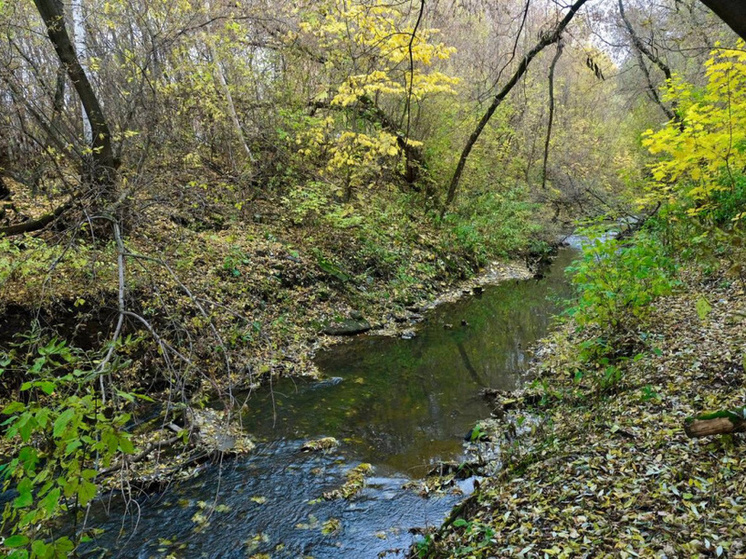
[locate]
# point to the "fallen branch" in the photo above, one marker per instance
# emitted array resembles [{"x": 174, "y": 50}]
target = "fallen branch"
[
  {"x": 35, "y": 224},
  {"x": 718, "y": 423},
  {"x": 129, "y": 460}
]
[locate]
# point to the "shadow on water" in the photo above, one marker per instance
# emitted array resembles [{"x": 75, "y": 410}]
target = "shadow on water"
[{"x": 401, "y": 405}]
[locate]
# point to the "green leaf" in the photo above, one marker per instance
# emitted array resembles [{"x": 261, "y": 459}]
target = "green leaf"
[
  {"x": 16, "y": 541},
  {"x": 63, "y": 548},
  {"x": 72, "y": 446},
  {"x": 13, "y": 407},
  {"x": 703, "y": 308},
  {"x": 28, "y": 457},
  {"x": 51, "y": 501},
  {"x": 126, "y": 446},
  {"x": 47, "y": 386},
  {"x": 86, "y": 492},
  {"x": 61, "y": 422},
  {"x": 24, "y": 499},
  {"x": 40, "y": 549},
  {"x": 42, "y": 416}
]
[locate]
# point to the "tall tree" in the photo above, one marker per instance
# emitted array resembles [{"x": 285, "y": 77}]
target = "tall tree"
[
  {"x": 100, "y": 170},
  {"x": 547, "y": 38}
]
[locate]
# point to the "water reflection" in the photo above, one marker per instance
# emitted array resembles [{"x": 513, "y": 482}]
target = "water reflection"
[{"x": 404, "y": 404}]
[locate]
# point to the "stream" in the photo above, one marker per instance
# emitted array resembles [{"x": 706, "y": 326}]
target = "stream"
[{"x": 401, "y": 405}]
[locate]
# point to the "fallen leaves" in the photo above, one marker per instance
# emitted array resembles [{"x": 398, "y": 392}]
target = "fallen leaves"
[{"x": 616, "y": 476}]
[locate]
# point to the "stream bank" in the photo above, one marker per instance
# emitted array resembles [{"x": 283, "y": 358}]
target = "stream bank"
[
  {"x": 614, "y": 475},
  {"x": 401, "y": 405}
]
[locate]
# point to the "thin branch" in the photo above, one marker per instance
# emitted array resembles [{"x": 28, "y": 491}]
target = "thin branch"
[{"x": 551, "y": 113}]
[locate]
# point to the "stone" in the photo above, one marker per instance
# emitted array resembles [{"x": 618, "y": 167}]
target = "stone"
[{"x": 347, "y": 327}]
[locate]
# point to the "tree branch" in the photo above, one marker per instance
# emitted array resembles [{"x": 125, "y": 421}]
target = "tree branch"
[
  {"x": 546, "y": 40},
  {"x": 641, "y": 49}
]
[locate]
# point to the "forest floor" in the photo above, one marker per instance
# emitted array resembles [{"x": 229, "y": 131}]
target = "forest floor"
[{"x": 614, "y": 474}]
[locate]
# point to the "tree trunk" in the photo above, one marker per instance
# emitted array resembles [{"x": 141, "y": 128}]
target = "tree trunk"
[
  {"x": 546, "y": 40},
  {"x": 718, "y": 423},
  {"x": 80, "y": 50},
  {"x": 102, "y": 169},
  {"x": 551, "y": 114},
  {"x": 731, "y": 12}
]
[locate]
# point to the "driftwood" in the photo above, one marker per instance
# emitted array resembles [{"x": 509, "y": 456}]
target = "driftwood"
[{"x": 718, "y": 423}]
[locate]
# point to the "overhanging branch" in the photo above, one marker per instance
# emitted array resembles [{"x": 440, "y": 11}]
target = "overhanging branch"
[{"x": 547, "y": 39}]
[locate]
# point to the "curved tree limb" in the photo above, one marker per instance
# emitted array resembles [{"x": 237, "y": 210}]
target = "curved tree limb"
[
  {"x": 547, "y": 39},
  {"x": 551, "y": 114},
  {"x": 640, "y": 50}
]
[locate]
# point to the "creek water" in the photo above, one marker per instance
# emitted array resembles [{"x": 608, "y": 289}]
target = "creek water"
[{"x": 400, "y": 405}]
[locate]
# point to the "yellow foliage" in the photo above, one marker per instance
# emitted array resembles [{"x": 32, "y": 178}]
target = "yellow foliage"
[
  {"x": 705, "y": 151},
  {"x": 380, "y": 38}
]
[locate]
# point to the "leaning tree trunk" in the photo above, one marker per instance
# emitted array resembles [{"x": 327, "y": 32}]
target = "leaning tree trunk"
[
  {"x": 546, "y": 39},
  {"x": 731, "y": 12},
  {"x": 101, "y": 169}
]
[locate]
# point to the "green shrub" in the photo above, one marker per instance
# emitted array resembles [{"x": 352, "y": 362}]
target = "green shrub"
[
  {"x": 616, "y": 282},
  {"x": 61, "y": 435}
]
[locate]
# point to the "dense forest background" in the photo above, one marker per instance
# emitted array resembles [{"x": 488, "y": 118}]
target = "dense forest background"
[{"x": 192, "y": 192}]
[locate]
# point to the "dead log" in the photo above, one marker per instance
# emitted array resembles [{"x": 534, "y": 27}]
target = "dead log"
[{"x": 718, "y": 423}]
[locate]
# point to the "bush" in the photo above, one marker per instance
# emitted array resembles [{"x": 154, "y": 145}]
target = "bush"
[
  {"x": 61, "y": 435},
  {"x": 616, "y": 282}
]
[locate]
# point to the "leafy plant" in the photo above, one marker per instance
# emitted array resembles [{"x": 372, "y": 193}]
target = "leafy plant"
[
  {"x": 615, "y": 282},
  {"x": 61, "y": 434},
  {"x": 479, "y": 536}
]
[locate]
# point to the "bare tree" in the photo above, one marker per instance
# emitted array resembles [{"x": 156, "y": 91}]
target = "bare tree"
[{"x": 547, "y": 38}]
